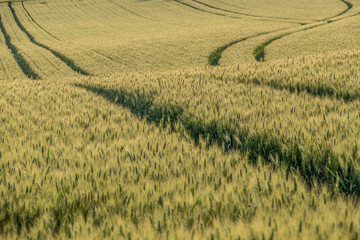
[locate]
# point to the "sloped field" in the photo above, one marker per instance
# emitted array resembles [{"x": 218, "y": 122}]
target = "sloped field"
[{"x": 184, "y": 119}]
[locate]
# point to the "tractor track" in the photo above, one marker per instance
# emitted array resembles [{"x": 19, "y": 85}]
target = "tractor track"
[
  {"x": 69, "y": 62},
  {"x": 257, "y": 18},
  {"x": 215, "y": 56},
  {"x": 257, "y": 145},
  {"x": 246, "y": 14},
  {"x": 259, "y": 52},
  {"x": 130, "y": 11},
  {"x": 203, "y": 10},
  {"x": 316, "y": 90},
  {"x": 33, "y": 20},
  {"x": 20, "y": 60},
  {"x": 94, "y": 51},
  {"x": 349, "y": 6}
]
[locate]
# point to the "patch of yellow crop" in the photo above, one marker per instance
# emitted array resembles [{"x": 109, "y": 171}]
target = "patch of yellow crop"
[{"x": 131, "y": 131}]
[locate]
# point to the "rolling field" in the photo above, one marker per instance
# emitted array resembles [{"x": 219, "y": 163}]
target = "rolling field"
[{"x": 179, "y": 119}]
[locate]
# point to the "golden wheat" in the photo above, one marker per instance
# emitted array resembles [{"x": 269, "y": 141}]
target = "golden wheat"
[{"x": 129, "y": 133}]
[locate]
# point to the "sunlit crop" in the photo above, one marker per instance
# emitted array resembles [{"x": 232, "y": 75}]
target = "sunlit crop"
[{"x": 184, "y": 119}]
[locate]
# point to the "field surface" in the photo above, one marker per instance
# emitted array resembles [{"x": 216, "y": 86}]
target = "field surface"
[{"x": 179, "y": 119}]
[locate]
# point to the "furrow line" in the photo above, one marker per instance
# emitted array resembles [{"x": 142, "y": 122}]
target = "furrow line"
[
  {"x": 32, "y": 19},
  {"x": 349, "y": 6},
  {"x": 20, "y": 60},
  {"x": 128, "y": 10},
  {"x": 319, "y": 90},
  {"x": 202, "y": 10},
  {"x": 316, "y": 90},
  {"x": 215, "y": 56},
  {"x": 69, "y": 62},
  {"x": 259, "y": 52},
  {"x": 319, "y": 165},
  {"x": 244, "y": 14}
]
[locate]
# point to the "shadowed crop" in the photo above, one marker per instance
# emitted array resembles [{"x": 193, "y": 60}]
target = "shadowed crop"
[{"x": 320, "y": 165}]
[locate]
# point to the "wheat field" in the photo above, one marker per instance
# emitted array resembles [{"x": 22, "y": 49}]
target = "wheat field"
[{"x": 179, "y": 119}]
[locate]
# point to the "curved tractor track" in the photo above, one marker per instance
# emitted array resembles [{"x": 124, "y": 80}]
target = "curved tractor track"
[
  {"x": 69, "y": 62},
  {"x": 349, "y": 6},
  {"x": 203, "y": 10},
  {"x": 20, "y": 60},
  {"x": 129, "y": 11},
  {"x": 258, "y": 145},
  {"x": 225, "y": 11},
  {"x": 259, "y": 52},
  {"x": 215, "y": 56},
  {"x": 32, "y": 19},
  {"x": 245, "y": 14},
  {"x": 23, "y": 64}
]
